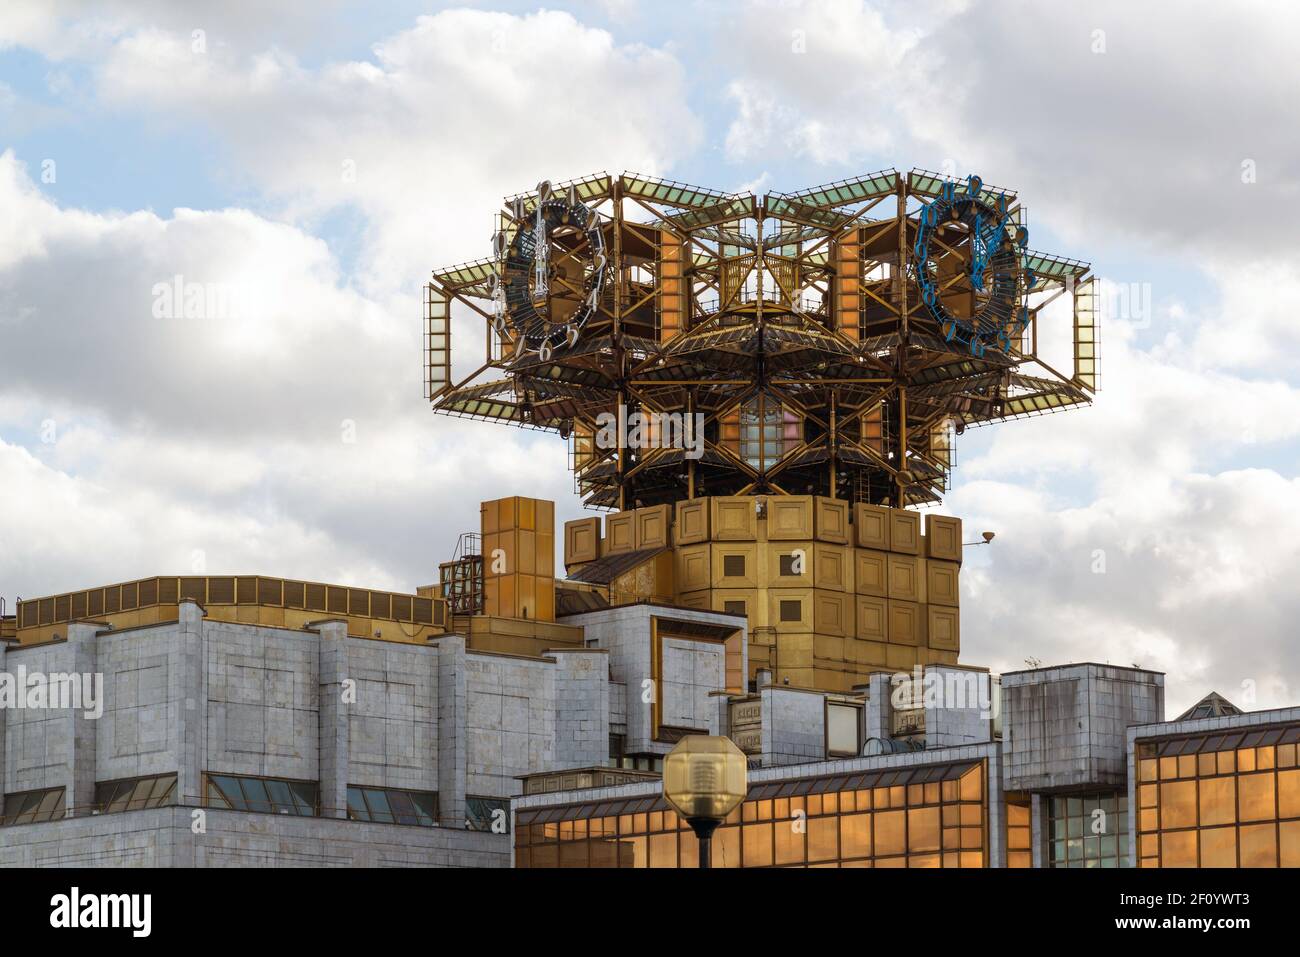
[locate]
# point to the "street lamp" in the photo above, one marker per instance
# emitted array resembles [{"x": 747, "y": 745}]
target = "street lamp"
[{"x": 705, "y": 778}]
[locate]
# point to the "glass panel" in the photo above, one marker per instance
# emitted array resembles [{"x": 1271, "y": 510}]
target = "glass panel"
[
  {"x": 1255, "y": 797},
  {"x": 255, "y": 796},
  {"x": 228, "y": 789},
  {"x": 357, "y": 810},
  {"x": 281, "y": 799}
]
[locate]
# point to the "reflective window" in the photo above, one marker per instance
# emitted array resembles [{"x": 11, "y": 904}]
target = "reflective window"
[
  {"x": 135, "y": 793},
  {"x": 1019, "y": 831},
  {"x": 1088, "y": 830},
  {"x": 267, "y": 795},
  {"x": 487, "y": 814},
  {"x": 33, "y": 807},
  {"x": 1223, "y": 799},
  {"x": 911, "y": 817},
  {"x": 391, "y": 806}
]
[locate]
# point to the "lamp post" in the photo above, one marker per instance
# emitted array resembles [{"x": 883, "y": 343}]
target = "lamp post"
[{"x": 705, "y": 778}]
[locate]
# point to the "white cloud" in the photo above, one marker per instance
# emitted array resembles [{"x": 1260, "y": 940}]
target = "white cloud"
[{"x": 426, "y": 137}]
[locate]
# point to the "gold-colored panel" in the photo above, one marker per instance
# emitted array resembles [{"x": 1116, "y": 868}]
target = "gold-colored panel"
[
  {"x": 831, "y": 520},
  {"x": 790, "y": 610},
  {"x": 692, "y": 522},
  {"x": 904, "y": 531},
  {"x": 871, "y": 526},
  {"x": 872, "y": 618},
  {"x": 789, "y": 517},
  {"x": 734, "y": 565},
  {"x": 832, "y": 613},
  {"x": 943, "y": 538},
  {"x": 620, "y": 533},
  {"x": 828, "y": 648},
  {"x": 652, "y": 524},
  {"x": 788, "y": 564},
  {"x": 831, "y": 567},
  {"x": 692, "y": 567},
  {"x": 905, "y": 578},
  {"x": 733, "y": 519},
  {"x": 906, "y": 623},
  {"x": 871, "y": 572},
  {"x": 943, "y": 627},
  {"x": 941, "y": 582}
]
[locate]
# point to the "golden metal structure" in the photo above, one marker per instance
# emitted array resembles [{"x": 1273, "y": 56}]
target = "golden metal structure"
[{"x": 795, "y": 325}]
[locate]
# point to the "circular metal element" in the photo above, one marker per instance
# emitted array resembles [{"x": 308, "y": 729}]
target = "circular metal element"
[
  {"x": 998, "y": 276},
  {"x": 545, "y": 302}
]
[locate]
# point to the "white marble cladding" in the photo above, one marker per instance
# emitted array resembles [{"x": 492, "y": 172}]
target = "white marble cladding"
[
  {"x": 692, "y": 670},
  {"x": 163, "y": 837},
  {"x": 196, "y": 696},
  {"x": 1068, "y": 726},
  {"x": 793, "y": 725},
  {"x": 963, "y": 714}
]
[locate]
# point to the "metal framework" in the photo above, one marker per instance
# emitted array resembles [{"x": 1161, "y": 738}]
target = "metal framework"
[{"x": 831, "y": 341}]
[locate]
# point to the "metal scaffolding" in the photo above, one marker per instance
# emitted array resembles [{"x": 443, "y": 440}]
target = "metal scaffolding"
[{"x": 830, "y": 341}]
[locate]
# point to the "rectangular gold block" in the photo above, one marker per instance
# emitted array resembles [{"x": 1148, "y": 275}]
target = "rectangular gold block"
[
  {"x": 795, "y": 677},
  {"x": 904, "y": 531},
  {"x": 870, "y": 572},
  {"x": 790, "y": 610},
  {"x": 831, "y": 520},
  {"x": 944, "y": 628},
  {"x": 692, "y": 567},
  {"x": 794, "y": 651},
  {"x": 905, "y": 577},
  {"x": 620, "y": 533},
  {"x": 828, "y": 648},
  {"x": 692, "y": 522},
  {"x": 742, "y": 601},
  {"x": 941, "y": 582},
  {"x": 832, "y": 613},
  {"x": 901, "y": 657},
  {"x": 734, "y": 564},
  {"x": 906, "y": 623},
  {"x": 864, "y": 652},
  {"x": 788, "y": 564},
  {"x": 789, "y": 517},
  {"x": 733, "y": 519},
  {"x": 871, "y": 526},
  {"x": 652, "y": 526},
  {"x": 872, "y": 618},
  {"x": 696, "y": 599},
  {"x": 832, "y": 567},
  {"x": 943, "y": 538}
]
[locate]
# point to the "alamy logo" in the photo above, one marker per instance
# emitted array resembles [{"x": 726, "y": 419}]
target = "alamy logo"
[
  {"x": 64, "y": 691},
  {"x": 103, "y": 910},
  {"x": 651, "y": 430}
]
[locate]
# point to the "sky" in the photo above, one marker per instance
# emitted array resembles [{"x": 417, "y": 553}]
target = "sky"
[{"x": 307, "y": 164}]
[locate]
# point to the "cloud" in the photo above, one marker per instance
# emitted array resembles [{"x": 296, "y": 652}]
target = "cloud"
[
  {"x": 1105, "y": 116},
  {"x": 425, "y": 137}
]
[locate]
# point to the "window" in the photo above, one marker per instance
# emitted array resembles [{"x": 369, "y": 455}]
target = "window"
[
  {"x": 33, "y": 807},
  {"x": 1089, "y": 830},
  {"x": 733, "y": 566},
  {"x": 1019, "y": 831},
  {"x": 392, "y": 806},
  {"x": 791, "y": 610},
  {"x": 488, "y": 814},
  {"x": 766, "y": 432},
  {"x": 1222, "y": 799},
  {"x": 133, "y": 794},
  {"x": 843, "y": 729},
  {"x": 790, "y": 567},
  {"x": 903, "y": 817},
  {"x": 734, "y": 608},
  {"x": 267, "y": 795}
]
